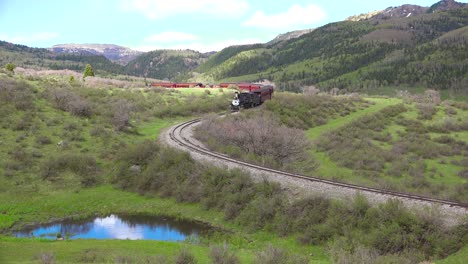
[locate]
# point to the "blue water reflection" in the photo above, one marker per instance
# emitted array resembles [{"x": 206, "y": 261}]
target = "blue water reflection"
[{"x": 119, "y": 227}]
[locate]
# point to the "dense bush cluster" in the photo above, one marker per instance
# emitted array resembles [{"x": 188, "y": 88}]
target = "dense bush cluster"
[
  {"x": 388, "y": 230},
  {"x": 67, "y": 100},
  {"x": 258, "y": 137},
  {"x": 84, "y": 166},
  {"x": 18, "y": 93}
]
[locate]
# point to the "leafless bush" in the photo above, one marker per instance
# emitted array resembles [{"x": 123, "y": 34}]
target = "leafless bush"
[
  {"x": 310, "y": 90},
  {"x": 43, "y": 140},
  {"x": 360, "y": 254},
  {"x": 334, "y": 91},
  {"x": 122, "y": 110},
  {"x": 98, "y": 82},
  {"x": 432, "y": 96},
  {"x": 222, "y": 255},
  {"x": 270, "y": 255},
  {"x": 261, "y": 135},
  {"x": 79, "y": 107},
  {"x": 46, "y": 258},
  {"x": 429, "y": 97},
  {"x": 185, "y": 257},
  {"x": 426, "y": 110},
  {"x": 19, "y": 93},
  {"x": 68, "y": 101}
]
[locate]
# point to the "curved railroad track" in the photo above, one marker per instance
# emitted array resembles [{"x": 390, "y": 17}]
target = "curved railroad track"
[{"x": 180, "y": 135}]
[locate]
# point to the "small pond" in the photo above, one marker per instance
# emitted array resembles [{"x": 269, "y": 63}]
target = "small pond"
[{"x": 119, "y": 227}]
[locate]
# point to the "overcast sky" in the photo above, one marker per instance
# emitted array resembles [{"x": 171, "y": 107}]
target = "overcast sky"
[{"x": 203, "y": 25}]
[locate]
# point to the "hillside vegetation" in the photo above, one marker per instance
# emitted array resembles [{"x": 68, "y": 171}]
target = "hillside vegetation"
[
  {"x": 417, "y": 146},
  {"x": 428, "y": 49},
  {"x": 165, "y": 64},
  {"x": 70, "y": 150},
  {"x": 26, "y": 57}
]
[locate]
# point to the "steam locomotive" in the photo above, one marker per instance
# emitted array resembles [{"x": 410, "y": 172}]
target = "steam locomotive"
[{"x": 252, "y": 97}]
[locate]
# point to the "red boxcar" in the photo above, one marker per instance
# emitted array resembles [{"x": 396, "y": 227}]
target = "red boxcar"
[
  {"x": 242, "y": 86},
  {"x": 163, "y": 84},
  {"x": 264, "y": 92},
  {"x": 189, "y": 85}
]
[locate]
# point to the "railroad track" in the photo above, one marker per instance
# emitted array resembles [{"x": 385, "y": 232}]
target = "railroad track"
[{"x": 176, "y": 135}]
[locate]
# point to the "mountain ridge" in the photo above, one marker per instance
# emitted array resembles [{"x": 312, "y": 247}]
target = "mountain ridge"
[{"x": 119, "y": 54}]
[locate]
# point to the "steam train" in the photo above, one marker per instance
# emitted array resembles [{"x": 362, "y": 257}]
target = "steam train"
[{"x": 250, "y": 95}]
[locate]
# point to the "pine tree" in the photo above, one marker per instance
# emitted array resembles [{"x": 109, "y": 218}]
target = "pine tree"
[
  {"x": 10, "y": 67},
  {"x": 88, "y": 71}
]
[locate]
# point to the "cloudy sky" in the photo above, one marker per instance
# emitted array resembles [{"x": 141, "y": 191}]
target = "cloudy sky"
[{"x": 203, "y": 25}]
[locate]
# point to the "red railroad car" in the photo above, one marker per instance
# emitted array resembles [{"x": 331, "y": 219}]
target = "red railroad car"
[
  {"x": 189, "y": 85},
  {"x": 163, "y": 84},
  {"x": 242, "y": 86}
]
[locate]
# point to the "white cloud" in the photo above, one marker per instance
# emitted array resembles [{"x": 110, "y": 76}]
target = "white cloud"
[
  {"x": 295, "y": 17},
  {"x": 171, "y": 36},
  {"x": 158, "y": 9},
  {"x": 113, "y": 226},
  {"x": 198, "y": 46},
  {"x": 30, "y": 39}
]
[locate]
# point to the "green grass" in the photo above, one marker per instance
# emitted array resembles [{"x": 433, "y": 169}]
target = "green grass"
[
  {"x": 458, "y": 258},
  {"x": 338, "y": 122},
  {"x": 152, "y": 129},
  {"x": 200, "y": 91},
  {"x": 26, "y": 209}
]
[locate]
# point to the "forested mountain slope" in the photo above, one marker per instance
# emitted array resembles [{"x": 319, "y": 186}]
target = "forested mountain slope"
[{"x": 427, "y": 49}]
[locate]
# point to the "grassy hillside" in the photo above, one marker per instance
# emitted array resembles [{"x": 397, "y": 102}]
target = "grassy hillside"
[
  {"x": 379, "y": 142},
  {"x": 223, "y": 55},
  {"x": 66, "y": 150}
]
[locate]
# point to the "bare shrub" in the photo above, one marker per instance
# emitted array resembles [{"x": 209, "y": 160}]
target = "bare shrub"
[
  {"x": 79, "y": 107},
  {"x": 68, "y": 101},
  {"x": 46, "y": 258},
  {"x": 84, "y": 166},
  {"x": 310, "y": 90},
  {"x": 98, "y": 82},
  {"x": 19, "y": 93},
  {"x": 121, "y": 111},
  {"x": 185, "y": 257},
  {"x": 222, "y": 255},
  {"x": 334, "y": 91},
  {"x": 270, "y": 255},
  {"x": 426, "y": 110},
  {"x": 360, "y": 254},
  {"x": 260, "y": 135},
  {"x": 43, "y": 140},
  {"x": 432, "y": 96},
  {"x": 463, "y": 174}
]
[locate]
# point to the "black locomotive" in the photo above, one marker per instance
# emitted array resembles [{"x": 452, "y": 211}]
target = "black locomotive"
[{"x": 251, "y": 98}]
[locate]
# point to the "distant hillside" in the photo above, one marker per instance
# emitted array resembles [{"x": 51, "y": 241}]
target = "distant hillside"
[
  {"x": 115, "y": 53},
  {"x": 165, "y": 64},
  {"x": 289, "y": 35},
  {"x": 405, "y": 45},
  {"x": 224, "y": 55},
  {"x": 38, "y": 58}
]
